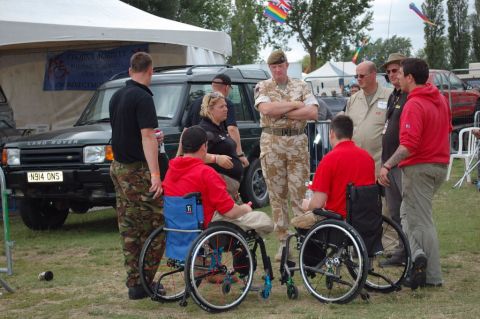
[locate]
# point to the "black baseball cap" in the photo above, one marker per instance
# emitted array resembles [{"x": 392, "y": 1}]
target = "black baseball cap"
[
  {"x": 222, "y": 79},
  {"x": 193, "y": 138}
]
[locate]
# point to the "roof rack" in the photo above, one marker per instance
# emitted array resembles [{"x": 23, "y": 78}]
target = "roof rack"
[
  {"x": 190, "y": 70},
  {"x": 170, "y": 67},
  {"x": 119, "y": 75}
]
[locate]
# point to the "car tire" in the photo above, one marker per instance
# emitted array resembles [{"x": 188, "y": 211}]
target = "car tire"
[
  {"x": 78, "y": 207},
  {"x": 40, "y": 214},
  {"x": 253, "y": 187}
]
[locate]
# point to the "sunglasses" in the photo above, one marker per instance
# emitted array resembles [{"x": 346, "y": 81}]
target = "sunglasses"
[
  {"x": 214, "y": 95},
  {"x": 222, "y": 83},
  {"x": 392, "y": 71},
  {"x": 360, "y": 76}
]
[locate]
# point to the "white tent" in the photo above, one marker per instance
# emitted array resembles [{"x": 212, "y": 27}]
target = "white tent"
[
  {"x": 330, "y": 77},
  {"x": 29, "y": 29}
]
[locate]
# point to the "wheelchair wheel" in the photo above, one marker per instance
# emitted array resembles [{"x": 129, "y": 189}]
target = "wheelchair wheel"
[
  {"x": 219, "y": 269},
  {"x": 162, "y": 278},
  {"x": 390, "y": 267},
  {"x": 326, "y": 259}
]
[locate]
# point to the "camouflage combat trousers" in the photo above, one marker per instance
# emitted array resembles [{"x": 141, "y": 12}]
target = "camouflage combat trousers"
[
  {"x": 285, "y": 167},
  {"x": 138, "y": 214}
]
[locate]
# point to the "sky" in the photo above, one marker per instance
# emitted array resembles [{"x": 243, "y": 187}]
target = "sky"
[{"x": 403, "y": 23}]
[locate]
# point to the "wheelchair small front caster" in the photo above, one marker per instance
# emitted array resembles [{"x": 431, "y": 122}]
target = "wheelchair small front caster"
[
  {"x": 226, "y": 287},
  {"x": 365, "y": 296},
  {"x": 292, "y": 292},
  {"x": 264, "y": 293},
  {"x": 183, "y": 303}
]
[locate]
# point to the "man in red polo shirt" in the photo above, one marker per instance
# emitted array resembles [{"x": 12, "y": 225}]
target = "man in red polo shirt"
[
  {"x": 190, "y": 174},
  {"x": 346, "y": 163}
]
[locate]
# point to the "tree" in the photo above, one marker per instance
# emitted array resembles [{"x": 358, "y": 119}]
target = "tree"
[
  {"x": 476, "y": 32},
  {"x": 435, "y": 44},
  {"x": 245, "y": 34},
  {"x": 458, "y": 33},
  {"x": 321, "y": 26},
  {"x": 378, "y": 51}
]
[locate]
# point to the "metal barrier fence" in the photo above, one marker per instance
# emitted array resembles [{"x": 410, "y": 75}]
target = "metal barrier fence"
[
  {"x": 6, "y": 229},
  {"x": 318, "y": 142}
]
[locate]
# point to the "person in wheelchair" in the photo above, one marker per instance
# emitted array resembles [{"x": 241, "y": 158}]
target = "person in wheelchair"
[
  {"x": 189, "y": 173},
  {"x": 345, "y": 164}
]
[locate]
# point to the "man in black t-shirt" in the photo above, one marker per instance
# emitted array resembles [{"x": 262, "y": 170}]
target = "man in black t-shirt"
[
  {"x": 221, "y": 83},
  {"x": 135, "y": 171},
  {"x": 390, "y": 143}
]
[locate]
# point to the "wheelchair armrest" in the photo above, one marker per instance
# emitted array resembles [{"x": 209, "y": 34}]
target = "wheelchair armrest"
[
  {"x": 194, "y": 194},
  {"x": 327, "y": 214}
]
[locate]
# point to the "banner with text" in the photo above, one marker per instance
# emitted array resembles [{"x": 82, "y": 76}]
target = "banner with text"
[{"x": 86, "y": 70}]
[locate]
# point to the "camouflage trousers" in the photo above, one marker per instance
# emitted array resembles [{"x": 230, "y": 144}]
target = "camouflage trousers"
[
  {"x": 138, "y": 214},
  {"x": 285, "y": 167}
]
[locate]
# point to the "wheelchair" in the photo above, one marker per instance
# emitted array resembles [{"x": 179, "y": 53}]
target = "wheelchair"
[
  {"x": 215, "y": 266},
  {"x": 338, "y": 259}
]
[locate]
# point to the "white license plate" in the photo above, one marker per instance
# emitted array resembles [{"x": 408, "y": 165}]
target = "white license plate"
[{"x": 45, "y": 177}]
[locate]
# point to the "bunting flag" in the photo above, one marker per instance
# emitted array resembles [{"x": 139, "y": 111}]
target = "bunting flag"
[
  {"x": 357, "y": 52},
  {"x": 277, "y": 10},
  {"x": 420, "y": 14}
]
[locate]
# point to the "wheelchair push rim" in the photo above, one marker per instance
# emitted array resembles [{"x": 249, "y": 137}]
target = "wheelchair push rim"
[
  {"x": 162, "y": 278},
  {"x": 219, "y": 269},
  {"x": 326, "y": 262},
  {"x": 388, "y": 277}
]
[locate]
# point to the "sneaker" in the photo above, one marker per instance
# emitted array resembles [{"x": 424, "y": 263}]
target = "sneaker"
[
  {"x": 159, "y": 288},
  {"x": 395, "y": 260},
  {"x": 137, "y": 292},
  {"x": 418, "y": 276}
]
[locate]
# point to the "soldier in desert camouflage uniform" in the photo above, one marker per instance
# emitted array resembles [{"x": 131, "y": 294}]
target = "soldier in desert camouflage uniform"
[
  {"x": 135, "y": 171},
  {"x": 285, "y": 105}
]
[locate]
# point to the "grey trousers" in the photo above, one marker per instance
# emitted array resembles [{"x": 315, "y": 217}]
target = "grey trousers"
[
  {"x": 393, "y": 194},
  {"x": 420, "y": 183}
]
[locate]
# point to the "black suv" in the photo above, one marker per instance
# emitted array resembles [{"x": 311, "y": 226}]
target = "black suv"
[
  {"x": 8, "y": 130},
  {"x": 58, "y": 171}
]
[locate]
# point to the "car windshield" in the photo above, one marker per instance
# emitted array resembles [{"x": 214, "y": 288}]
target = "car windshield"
[{"x": 166, "y": 98}]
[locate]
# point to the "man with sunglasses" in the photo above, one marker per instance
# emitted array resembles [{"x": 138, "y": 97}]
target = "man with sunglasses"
[
  {"x": 368, "y": 109},
  {"x": 390, "y": 143},
  {"x": 221, "y": 83},
  {"x": 423, "y": 155}
]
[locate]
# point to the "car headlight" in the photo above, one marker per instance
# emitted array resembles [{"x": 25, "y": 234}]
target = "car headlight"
[
  {"x": 97, "y": 154},
  {"x": 12, "y": 156}
]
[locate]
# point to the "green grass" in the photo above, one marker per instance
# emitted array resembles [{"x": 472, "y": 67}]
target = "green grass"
[{"x": 87, "y": 263}]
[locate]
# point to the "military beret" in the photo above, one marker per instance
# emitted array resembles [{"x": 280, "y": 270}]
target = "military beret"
[{"x": 277, "y": 57}]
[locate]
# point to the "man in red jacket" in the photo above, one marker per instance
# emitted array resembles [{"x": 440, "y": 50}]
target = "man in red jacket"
[
  {"x": 189, "y": 173},
  {"x": 423, "y": 156}
]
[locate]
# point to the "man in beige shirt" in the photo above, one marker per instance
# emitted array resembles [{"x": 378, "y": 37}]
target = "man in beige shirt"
[{"x": 368, "y": 109}]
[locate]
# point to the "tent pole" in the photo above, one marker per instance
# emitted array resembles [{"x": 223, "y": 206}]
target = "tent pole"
[{"x": 6, "y": 230}]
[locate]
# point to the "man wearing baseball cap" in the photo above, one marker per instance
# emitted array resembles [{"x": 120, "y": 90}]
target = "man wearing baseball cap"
[
  {"x": 221, "y": 83},
  {"x": 285, "y": 105}
]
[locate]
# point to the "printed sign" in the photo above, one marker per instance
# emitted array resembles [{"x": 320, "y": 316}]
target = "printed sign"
[{"x": 86, "y": 70}]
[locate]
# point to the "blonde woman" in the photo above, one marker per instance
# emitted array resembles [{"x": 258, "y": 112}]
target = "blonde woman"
[{"x": 222, "y": 154}]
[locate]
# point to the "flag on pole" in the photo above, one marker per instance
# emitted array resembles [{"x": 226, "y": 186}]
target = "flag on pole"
[
  {"x": 420, "y": 14},
  {"x": 277, "y": 10},
  {"x": 357, "y": 52}
]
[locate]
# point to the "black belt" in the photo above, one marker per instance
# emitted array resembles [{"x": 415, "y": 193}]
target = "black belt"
[{"x": 283, "y": 131}]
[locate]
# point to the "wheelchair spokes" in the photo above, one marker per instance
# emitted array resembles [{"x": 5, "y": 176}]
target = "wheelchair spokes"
[
  {"x": 222, "y": 273},
  {"x": 390, "y": 266},
  {"x": 326, "y": 262},
  {"x": 162, "y": 278}
]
